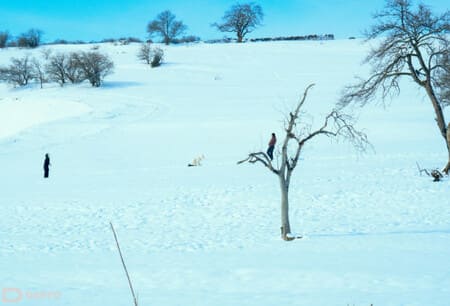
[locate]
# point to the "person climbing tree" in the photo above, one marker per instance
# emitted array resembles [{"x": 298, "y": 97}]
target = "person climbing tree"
[
  {"x": 272, "y": 143},
  {"x": 46, "y": 165}
]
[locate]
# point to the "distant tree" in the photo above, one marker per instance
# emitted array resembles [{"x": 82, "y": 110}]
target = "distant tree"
[
  {"x": 335, "y": 125},
  {"x": 22, "y": 42},
  {"x": 30, "y": 39},
  {"x": 4, "y": 37},
  {"x": 414, "y": 44},
  {"x": 19, "y": 72},
  {"x": 166, "y": 26},
  {"x": 241, "y": 19},
  {"x": 11, "y": 43},
  {"x": 56, "y": 68},
  {"x": 95, "y": 66}
]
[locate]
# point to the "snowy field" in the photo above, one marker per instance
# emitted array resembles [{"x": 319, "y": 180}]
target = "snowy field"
[{"x": 375, "y": 231}]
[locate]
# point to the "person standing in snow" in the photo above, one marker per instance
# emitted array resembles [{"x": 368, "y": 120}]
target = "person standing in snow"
[
  {"x": 46, "y": 165},
  {"x": 272, "y": 143}
]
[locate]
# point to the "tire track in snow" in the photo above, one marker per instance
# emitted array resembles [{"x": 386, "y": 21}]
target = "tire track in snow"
[{"x": 106, "y": 114}]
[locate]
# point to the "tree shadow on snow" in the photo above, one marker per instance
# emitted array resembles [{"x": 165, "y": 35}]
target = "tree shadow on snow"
[{"x": 120, "y": 84}]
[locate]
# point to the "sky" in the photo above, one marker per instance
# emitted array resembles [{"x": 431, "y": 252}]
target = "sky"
[{"x": 89, "y": 20}]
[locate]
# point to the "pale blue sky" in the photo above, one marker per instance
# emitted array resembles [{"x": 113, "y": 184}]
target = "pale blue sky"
[{"x": 98, "y": 19}]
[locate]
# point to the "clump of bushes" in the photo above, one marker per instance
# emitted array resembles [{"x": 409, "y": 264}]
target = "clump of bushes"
[
  {"x": 157, "y": 55},
  {"x": 152, "y": 56}
]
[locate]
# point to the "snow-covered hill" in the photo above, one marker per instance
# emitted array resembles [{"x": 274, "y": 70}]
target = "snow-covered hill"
[{"x": 375, "y": 231}]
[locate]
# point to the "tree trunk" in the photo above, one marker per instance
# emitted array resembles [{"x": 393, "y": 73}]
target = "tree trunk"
[
  {"x": 440, "y": 120},
  {"x": 447, "y": 167},
  {"x": 285, "y": 225},
  {"x": 240, "y": 37}
]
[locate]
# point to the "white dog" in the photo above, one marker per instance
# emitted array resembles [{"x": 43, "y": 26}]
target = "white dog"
[{"x": 197, "y": 161}]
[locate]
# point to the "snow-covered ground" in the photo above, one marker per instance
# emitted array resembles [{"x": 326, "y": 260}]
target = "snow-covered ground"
[{"x": 375, "y": 231}]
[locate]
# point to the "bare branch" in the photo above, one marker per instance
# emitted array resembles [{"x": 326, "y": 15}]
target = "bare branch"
[
  {"x": 410, "y": 41},
  {"x": 259, "y": 157},
  {"x": 414, "y": 43}
]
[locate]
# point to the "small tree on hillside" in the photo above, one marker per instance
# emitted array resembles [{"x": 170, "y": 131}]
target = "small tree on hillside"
[
  {"x": 241, "y": 19},
  {"x": 56, "y": 68},
  {"x": 414, "y": 44},
  {"x": 4, "y": 37},
  {"x": 297, "y": 134},
  {"x": 72, "y": 68},
  {"x": 38, "y": 71},
  {"x": 95, "y": 66},
  {"x": 144, "y": 53},
  {"x": 19, "y": 72},
  {"x": 166, "y": 26}
]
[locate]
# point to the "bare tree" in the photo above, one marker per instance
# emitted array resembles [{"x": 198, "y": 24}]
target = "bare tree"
[
  {"x": 4, "y": 37},
  {"x": 19, "y": 72},
  {"x": 144, "y": 53},
  {"x": 73, "y": 68},
  {"x": 56, "y": 68},
  {"x": 79, "y": 66},
  {"x": 414, "y": 45},
  {"x": 95, "y": 66},
  {"x": 38, "y": 71},
  {"x": 166, "y": 26},
  {"x": 297, "y": 135},
  {"x": 241, "y": 19}
]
